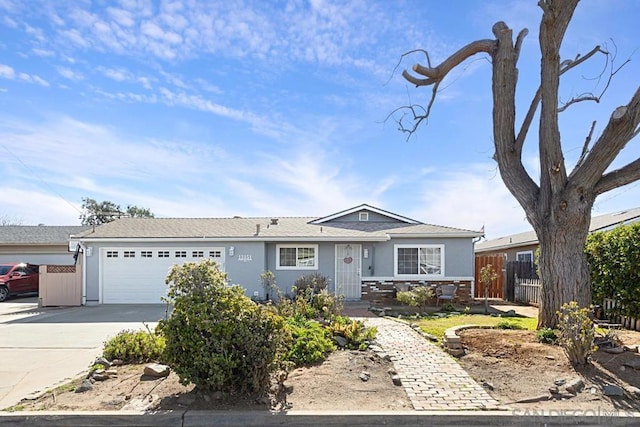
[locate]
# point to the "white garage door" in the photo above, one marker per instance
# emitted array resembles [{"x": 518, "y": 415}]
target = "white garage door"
[{"x": 137, "y": 275}]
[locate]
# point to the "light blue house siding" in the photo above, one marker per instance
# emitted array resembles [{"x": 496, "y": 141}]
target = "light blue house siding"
[
  {"x": 243, "y": 267},
  {"x": 127, "y": 260}
]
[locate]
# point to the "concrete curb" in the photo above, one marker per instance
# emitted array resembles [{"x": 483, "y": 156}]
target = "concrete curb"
[{"x": 524, "y": 417}]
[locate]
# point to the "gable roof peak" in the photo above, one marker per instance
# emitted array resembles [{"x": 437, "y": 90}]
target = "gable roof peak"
[{"x": 365, "y": 207}]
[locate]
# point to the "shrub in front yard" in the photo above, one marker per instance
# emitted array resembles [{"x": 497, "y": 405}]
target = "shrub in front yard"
[
  {"x": 216, "y": 337},
  {"x": 310, "y": 341},
  {"x": 577, "y": 332},
  {"x": 358, "y": 335},
  {"x": 506, "y": 324},
  {"x": 134, "y": 346},
  {"x": 419, "y": 296},
  {"x": 547, "y": 336}
]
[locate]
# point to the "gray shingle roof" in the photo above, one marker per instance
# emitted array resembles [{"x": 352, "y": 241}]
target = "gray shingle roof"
[
  {"x": 37, "y": 234},
  {"x": 238, "y": 228},
  {"x": 598, "y": 223}
]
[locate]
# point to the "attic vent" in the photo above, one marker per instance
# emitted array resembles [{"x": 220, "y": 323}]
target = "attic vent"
[
  {"x": 274, "y": 221},
  {"x": 364, "y": 216}
]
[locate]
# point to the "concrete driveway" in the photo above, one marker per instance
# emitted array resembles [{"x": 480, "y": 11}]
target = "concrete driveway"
[{"x": 42, "y": 347}]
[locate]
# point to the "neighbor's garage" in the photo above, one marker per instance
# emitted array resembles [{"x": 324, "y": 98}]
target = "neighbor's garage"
[{"x": 137, "y": 275}]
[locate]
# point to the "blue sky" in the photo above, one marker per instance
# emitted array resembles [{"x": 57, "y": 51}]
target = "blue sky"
[{"x": 261, "y": 108}]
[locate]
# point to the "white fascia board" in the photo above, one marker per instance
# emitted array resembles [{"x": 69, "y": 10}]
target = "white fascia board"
[
  {"x": 426, "y": 279},
  {"x": 468, "y": 234},
  {"x": 235, "y": 239}
]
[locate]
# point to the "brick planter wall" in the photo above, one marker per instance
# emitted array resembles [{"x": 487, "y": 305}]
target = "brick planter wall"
[{"x": 385, "y": 292}]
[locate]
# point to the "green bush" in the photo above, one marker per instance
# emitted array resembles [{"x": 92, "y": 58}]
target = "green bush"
[
  {"x": 134, "y": 346},
  {"x": 448, "y": 307},
  {"x": 327, "y": 305},
  {"x": 614, "y": 257},
  {"x": 216, "y": 337},
  {"x": 577, "y": 332},
  {"x": 506, "y": 324},
  {"x": 314, "y": 283},
  {"x": 547, "y": 336},
  {"x": 311, "y": 342},
  {"x": 420, "y": 297},
  {"x": 358, "y": 335}
]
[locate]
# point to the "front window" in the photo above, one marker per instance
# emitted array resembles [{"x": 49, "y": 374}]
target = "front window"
[
  {"x": 525, "y": 256},
  {"x": 297, "y": 257},
  {"x": 413, "y": 260}
]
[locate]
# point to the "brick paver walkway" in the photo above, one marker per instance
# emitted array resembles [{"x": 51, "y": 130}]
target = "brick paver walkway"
[{"x": 432, "y": 378}]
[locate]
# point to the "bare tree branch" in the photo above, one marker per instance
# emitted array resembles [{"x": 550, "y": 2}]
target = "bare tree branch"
[
  {"x": 439, "y": 72},
  {"x": 621, "y": 128},
  {"x": 591, "y": 96},
  {"x": 619, "y": 177},
  {"x": 531, "y": 112},
  {"x": 585, "y": 147}
]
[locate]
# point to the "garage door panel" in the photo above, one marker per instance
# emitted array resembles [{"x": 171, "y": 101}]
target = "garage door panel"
[{"x": 136, "y": 279}]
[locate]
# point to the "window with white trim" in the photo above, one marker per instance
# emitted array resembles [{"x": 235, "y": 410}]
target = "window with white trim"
[
  {"x": 181, "y": 254},
  {"x": 163, "y": 254},
  {"x": 297, "y": 257},
  {"x": 419, "y": 260},
  {"x": 197, "y": 254},
  {"x": 215, "y": 254},
  {"x": 525, "y": 256},
  {"x": 146, "y": 254},
  {"x": 112, "y": 254},
  {"x": 129, "y": 254},
  {"x": 363, "y": 216}
]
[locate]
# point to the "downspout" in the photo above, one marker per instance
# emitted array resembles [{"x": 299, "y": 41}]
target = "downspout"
[
  {"x": 473, "y": 280},
  {"x": 84, "y": 273}
]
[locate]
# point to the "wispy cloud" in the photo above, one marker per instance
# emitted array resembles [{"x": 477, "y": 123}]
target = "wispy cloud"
[{"x": 9, "y": 73}]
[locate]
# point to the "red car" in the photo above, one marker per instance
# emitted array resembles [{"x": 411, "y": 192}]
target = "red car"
[{"x": 18, "y": 279}]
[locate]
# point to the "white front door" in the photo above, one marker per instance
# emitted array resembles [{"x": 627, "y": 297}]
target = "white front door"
[{"x": 348, "y": 271}]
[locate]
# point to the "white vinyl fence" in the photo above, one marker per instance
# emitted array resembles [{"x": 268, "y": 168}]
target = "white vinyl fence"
[{"x": 625, "y": 321}]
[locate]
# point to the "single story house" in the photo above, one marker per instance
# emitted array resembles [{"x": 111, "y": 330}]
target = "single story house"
[
  {"x": 522, "y": 246},
  {"x": 37, "y": 244},
  {"x": 364, "y": 251}
]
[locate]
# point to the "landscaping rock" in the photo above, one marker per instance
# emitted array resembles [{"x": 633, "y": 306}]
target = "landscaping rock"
[
  {"x": 612, "y": 390},
  {"x": 634, "y": 364},
  {"x": 554, "y": 390},
  {"x": 560, "y": 382},
  {"x": 364, "y": 376},
  {"x": 157, "y": 370},
  {"x": 341, "y": 341},
  {"x": 631, "y": 348},
  {"x": 100, "y": 377},
  {"x": 392, "y": 371},
  {"x": 117, "y": 362},
  {"x": 396, "y": 380},
  {"x": 633, "y": 391},
  {"x": 85, "y": 386},
  {"x": 575, "y": 386},
  {"x": 487, "y": 385},
  {"x": 111, "y": 372},
  {"x": 102, "y": 361},
  {"x": 614, "y": 350}
]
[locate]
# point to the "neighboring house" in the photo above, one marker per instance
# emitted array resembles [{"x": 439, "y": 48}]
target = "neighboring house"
[
  {"x": 37, "y": 244},
  {"x": 363, "y": 250},
  {"x": 522, "y": 246}
]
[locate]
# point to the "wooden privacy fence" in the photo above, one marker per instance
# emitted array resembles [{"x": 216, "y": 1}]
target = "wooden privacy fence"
[
  {"x": 528, "y": 291},
  {"x": 495, "y": 288},
  {"x": 627, "y": 322},
  {"x": 60, "y": 285}
]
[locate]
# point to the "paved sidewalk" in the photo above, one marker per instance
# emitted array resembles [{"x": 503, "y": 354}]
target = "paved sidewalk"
[{"x": 432, "y": 378}]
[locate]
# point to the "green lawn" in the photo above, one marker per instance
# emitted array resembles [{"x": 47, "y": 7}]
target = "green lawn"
[{"x": 437, "y": 325}]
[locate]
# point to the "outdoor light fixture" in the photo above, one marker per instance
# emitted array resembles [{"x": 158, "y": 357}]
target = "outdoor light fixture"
[{"x": 232, "y": 250}]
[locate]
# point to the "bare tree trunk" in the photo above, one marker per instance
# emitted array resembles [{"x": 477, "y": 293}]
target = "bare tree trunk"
[{"x": 564, "y": 271}]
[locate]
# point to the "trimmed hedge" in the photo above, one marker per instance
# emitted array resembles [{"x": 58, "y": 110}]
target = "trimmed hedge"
[{"x": 614, "y": 257}]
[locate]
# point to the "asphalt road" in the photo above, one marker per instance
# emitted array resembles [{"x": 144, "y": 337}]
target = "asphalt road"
[{"x": 43, "y": 347}]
